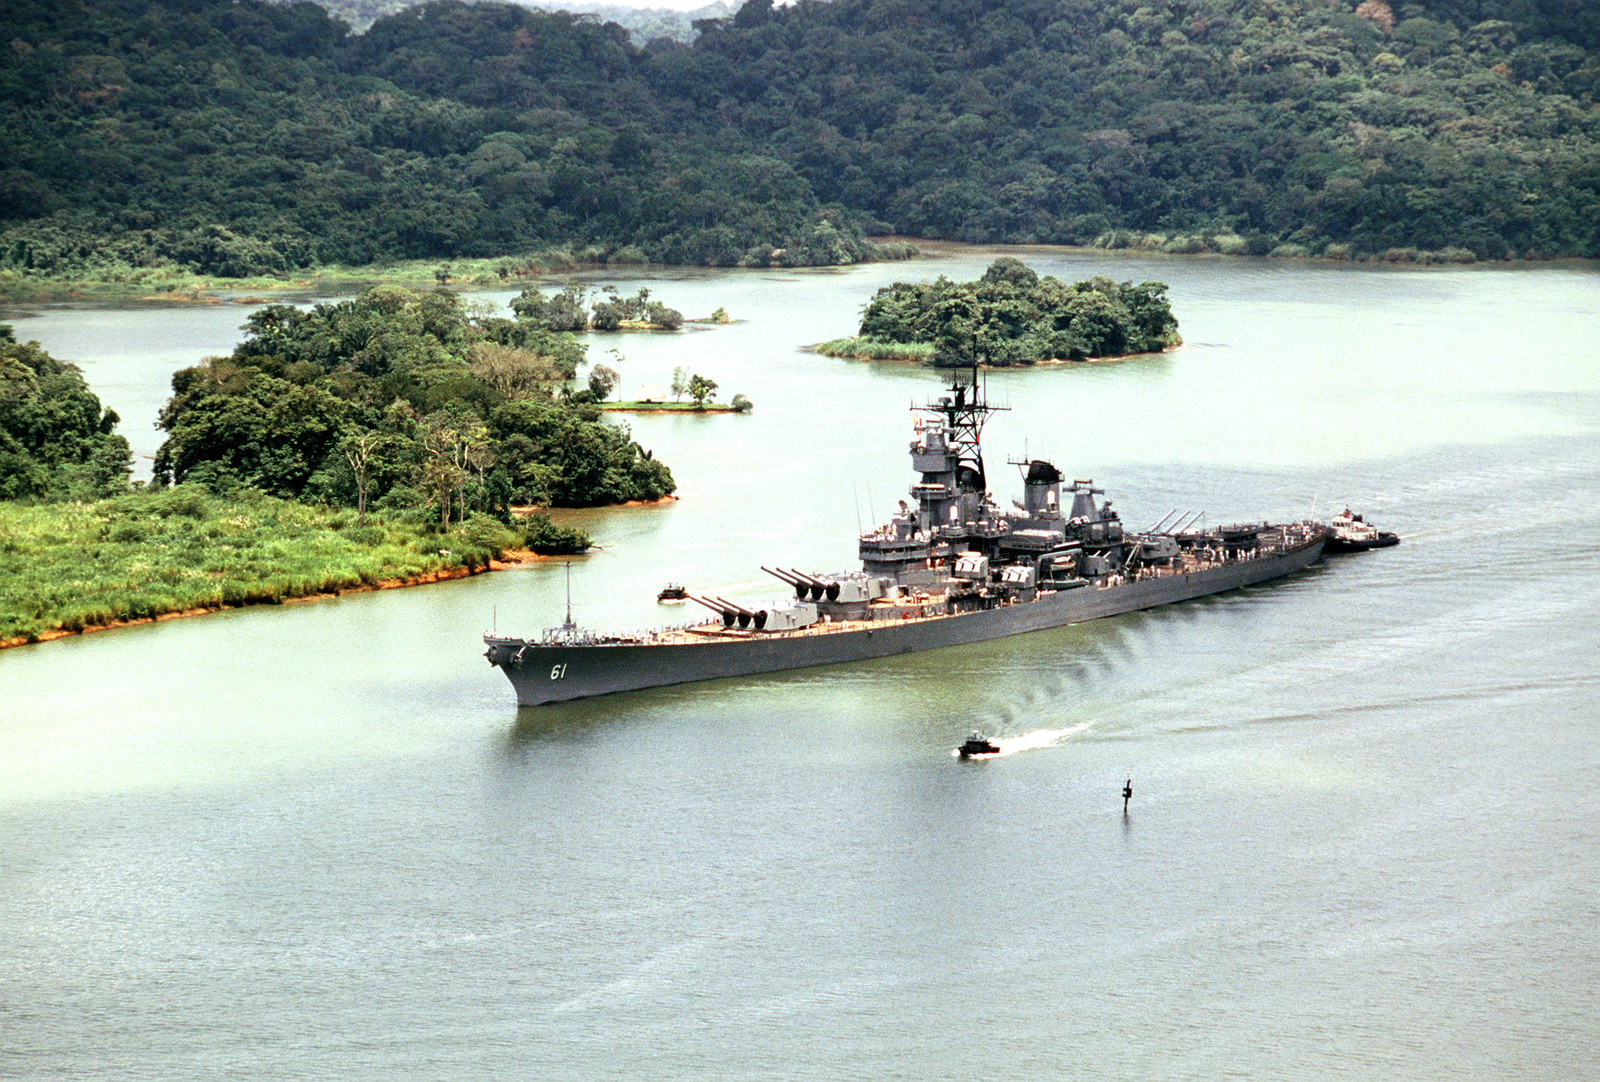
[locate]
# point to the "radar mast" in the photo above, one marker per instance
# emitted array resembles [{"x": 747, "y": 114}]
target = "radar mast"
[{"x": 964, "y": 411}]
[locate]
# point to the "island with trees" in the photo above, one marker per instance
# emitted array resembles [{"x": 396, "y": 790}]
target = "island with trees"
[
  {"x": 466, "y": 412},
  {"x": 395, "y": 437},
  {"x": 161, "y": 143},
  {"x": 1011, "y": 316},
  {"x": 700, "y": 389}
]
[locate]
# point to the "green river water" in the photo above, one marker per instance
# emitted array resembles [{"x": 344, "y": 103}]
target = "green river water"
[{"x": 321, "y": 841}]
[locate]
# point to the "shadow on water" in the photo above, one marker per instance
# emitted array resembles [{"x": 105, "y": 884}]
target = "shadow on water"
[
  {"x": 1063, "y": 679},
  {"x": 579, "y": 722}
]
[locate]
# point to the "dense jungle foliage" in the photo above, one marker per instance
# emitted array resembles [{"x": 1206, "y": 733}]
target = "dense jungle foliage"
[
  {"x": 1011, "y": 316},
  {"x": 399, "y": 399},
  {"x": 394, "y": 400},
  {"x": 234, "y": 137},
  {"x": 56, "y": 442},
  {"x": 240, "y": 139}
]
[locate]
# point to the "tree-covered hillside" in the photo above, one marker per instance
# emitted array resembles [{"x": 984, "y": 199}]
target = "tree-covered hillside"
[
  {"x": 234, "y": 137},
  {"x": 246, "y": 138},
  {"x": 1439, "y": 123}
]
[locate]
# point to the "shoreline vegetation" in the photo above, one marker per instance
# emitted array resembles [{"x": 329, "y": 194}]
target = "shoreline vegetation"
[
  {"x": 396, "y": 438},
  {"x": 165, "y": 282},
  {"x": 669, "y": 407},
  {"x": 181, "y": 285},
  {"x": 872, "y": 349},
  {"x": 68, "y": 568},
  {"x": 178, "y": 286},
  {"x": 232, "y": 521}
]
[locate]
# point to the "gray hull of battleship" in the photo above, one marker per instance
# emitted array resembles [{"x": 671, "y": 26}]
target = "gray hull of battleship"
[{"x": 547, "y": 673}]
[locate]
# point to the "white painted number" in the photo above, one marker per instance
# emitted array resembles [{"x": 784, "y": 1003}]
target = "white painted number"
[{"x": 558, "y": 671}]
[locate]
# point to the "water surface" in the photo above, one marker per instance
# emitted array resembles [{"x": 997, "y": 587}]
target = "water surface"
[{"x": 320, "y": 840}]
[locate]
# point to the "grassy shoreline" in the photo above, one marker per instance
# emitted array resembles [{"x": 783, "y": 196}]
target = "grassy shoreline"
[
  {"x": 387, "y": 584},
  {"x": 176, "y": 286},
  {"x": 870, "y": 349},
  {"x": 67, "y": 568},
  {"x": 666, "y": 407}
]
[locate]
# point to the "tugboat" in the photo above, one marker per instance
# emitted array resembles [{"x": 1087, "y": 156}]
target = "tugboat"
[
  {"x": 950, "y": 567},
  {"x": 977, "y": 744},
  {"x": 674, "y": 594},
  {"x": 1352, "y": 533}
]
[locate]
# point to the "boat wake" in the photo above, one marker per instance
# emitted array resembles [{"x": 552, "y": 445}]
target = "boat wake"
[{"x": 1034, "y": 741}]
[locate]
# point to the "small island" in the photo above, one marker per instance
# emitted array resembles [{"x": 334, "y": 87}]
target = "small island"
[
  {"x": 570, "y": 310},
  {"x": 603, "y": 379},
  {"x": 1011, "y": 316},
  {"x": 642, "y": 406}
]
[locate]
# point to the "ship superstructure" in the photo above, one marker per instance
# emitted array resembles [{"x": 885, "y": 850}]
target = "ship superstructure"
[{"x": 952, "y": 568}]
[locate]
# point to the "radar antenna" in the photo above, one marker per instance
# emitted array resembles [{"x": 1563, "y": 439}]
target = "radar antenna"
[{"x": 965, "y": 410}]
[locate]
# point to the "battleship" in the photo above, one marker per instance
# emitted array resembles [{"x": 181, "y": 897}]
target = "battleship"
[{"x": 952, "y": 568}]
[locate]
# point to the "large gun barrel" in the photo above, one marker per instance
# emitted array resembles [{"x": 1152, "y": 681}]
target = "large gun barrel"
[
  {"x": 1170, "y": 516},
  {"x": 801, "y": 588},
  {"x": 745, "y": 616},
  {"x": 819, "y": 587},
  {"x": 728, "y": 615},
  {"x": 1188, "y": 519},
  {"x": 733, "y": 614}
]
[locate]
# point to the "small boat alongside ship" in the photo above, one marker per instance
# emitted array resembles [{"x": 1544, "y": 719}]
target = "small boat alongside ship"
[
  {"x": 1352, "y": 533},
  {"x": 953, "y": 568}
]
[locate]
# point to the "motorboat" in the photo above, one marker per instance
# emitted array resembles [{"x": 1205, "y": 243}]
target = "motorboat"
[{"x": 977, "y": 744}]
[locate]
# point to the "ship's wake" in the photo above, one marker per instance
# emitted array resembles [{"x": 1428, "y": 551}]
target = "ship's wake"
[{"x": 1034, "y": 741}]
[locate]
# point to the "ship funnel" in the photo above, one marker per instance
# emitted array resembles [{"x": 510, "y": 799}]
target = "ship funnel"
[
  {"x": 1041, "y": 488},
  {"x": 1083, "y": 505}
]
